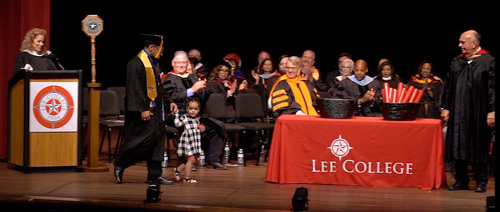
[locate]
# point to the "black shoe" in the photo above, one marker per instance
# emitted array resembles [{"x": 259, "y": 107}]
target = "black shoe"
[
  {"x": 218, "y": 165},
  {"x": 480, "y": 188},
  {"x": 459, "y": 186},
  {"x": 118, "y": 172},
  {"x": 162, "y": 181}
]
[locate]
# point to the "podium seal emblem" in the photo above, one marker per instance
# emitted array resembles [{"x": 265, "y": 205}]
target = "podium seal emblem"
[{"x": 53, "y": 107}]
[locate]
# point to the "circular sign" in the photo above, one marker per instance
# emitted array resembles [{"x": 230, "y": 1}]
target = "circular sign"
[
  {"x": 340, "y": 147},
  {"x": 92, "y": 25},
  {"x": 53, "y": 107}
]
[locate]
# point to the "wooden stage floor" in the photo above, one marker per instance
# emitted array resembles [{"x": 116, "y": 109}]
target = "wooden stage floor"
[{"x": 235, "y": 189}]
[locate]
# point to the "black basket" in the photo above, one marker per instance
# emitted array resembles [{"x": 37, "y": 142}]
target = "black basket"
[
  {"x": 400, "y": 111},
  {"x": 336, "y": 108}
]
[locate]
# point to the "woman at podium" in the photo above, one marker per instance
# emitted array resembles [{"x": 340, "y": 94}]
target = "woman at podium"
[{"x": 33, "y": 55}]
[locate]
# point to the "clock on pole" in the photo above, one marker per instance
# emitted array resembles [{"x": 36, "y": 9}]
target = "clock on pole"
[{"x": 92, "y": 26}]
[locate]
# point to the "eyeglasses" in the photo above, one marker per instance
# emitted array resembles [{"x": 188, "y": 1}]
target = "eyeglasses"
[{"x": 288, "y": 67}]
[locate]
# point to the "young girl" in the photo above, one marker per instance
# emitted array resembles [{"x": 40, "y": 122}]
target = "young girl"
[{"x": 189, "y": 146}]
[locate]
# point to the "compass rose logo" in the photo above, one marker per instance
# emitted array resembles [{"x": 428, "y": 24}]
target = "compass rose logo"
[
  {"x": 53, "y": 107},
  {"x": 340, "y": 147}
]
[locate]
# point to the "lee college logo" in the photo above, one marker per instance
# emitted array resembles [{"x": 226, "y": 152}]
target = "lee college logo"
[
  {"x": 340, "y": 147},
  {"x": 53, "y": 107}
]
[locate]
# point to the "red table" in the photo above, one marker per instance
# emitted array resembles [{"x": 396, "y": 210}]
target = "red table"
[{"x": 366, "y": 151}]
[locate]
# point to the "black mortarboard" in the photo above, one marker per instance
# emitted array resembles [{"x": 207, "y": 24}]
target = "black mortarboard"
[
  {"x": 225, "y": 63},
  {"x": 156, "y": 40},
  {"x": 152, "y": 39}
]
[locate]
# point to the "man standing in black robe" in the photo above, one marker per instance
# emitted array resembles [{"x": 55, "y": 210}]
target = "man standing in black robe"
[
  {"x": 144, "y": 110},
  {"x": 469, "y": 109}
]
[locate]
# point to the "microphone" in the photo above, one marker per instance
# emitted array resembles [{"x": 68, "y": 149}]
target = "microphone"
[
  {"x": 51, "y": 55},
  {"x": 54, "y": 58}
]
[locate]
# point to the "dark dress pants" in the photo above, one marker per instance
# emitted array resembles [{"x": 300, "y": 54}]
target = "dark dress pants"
[
  {"x": 213, "y": 144},
  {"x": 481, "y": 172}
]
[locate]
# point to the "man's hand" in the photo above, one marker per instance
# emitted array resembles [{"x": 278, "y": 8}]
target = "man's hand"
[
  {"x": 300, "y": 113},
  {"x": 146, "y": 115},
  {"x": 173, "y": 108},
  {"x": 490, "y": 119},
  {"x": 445, "y": 115},
  {"x": 369, "y": 95},
  {"x": 199, "y": 85}
]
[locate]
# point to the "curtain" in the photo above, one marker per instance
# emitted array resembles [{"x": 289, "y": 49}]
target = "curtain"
[{"x": 16, "y": 18}]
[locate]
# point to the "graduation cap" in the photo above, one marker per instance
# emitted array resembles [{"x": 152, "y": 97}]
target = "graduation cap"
[
  {"x": 226, "y": 63},
  {"x": 156, "y": 40}
]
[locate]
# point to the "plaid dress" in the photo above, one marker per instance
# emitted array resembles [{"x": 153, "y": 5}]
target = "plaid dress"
[{"x": 190, "y": 140}]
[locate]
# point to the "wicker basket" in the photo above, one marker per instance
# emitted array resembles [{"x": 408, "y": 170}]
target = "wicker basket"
[
  {"x": 336, "y": 108},
  {"x": 400, "y": 111}
]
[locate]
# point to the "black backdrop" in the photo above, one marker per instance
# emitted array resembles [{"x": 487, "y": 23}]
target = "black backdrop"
[{"x": 406, "y": 34}]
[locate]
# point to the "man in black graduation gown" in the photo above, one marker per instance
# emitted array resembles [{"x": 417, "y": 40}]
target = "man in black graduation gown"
[
  {"x": 362, "y": 89},
  {"x": 144, "y": 110},
  {"x": 469, "y": 109}
]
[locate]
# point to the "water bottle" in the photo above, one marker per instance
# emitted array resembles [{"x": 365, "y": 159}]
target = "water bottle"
[
  {"x": 226, "y": 153},
  {"x": 241, "y": 157},
  {"x": 164, "y": 163},
  {"x": 202, "y": 158},
  {"x": 262, "y": 155}
]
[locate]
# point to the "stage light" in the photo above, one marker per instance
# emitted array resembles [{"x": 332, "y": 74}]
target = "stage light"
[
  {"x": 299, "y": 200},
  {"x": 490, "y": 203}
]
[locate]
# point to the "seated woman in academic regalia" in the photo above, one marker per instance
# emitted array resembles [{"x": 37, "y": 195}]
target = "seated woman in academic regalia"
[
  {"x": 222, "y": 82},
  {"x": 387, "y": 74},
  {"x": 33, "y": 55},
  {"x": 433, "y": 88}
]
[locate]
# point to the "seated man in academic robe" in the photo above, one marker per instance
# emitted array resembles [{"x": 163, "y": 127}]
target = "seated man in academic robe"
[
  {"x": 291, "y": 94},
  {"x": 179, "y": 85},
  {"x": 362, "y": 89}
]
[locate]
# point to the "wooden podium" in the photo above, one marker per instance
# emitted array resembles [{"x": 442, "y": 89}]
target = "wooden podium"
[{"x": 45, "y": 119}]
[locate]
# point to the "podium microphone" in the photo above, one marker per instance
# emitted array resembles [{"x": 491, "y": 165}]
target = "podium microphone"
[
  {"x": 50, "y": 54},
  {"x": 54, "y": 58}
]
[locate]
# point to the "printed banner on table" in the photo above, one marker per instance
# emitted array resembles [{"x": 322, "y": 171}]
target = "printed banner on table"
[
  {"x": 53, "y": 106},
  {"x": 367, "y": 151}
]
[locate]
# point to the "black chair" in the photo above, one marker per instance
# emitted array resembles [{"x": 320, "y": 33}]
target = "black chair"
[
  {"x": 250, "y": 115},
  {"x": 110, "y": 119},
  {"x": 215, "y": 107},
  {"x": 120, "y": 91}
]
